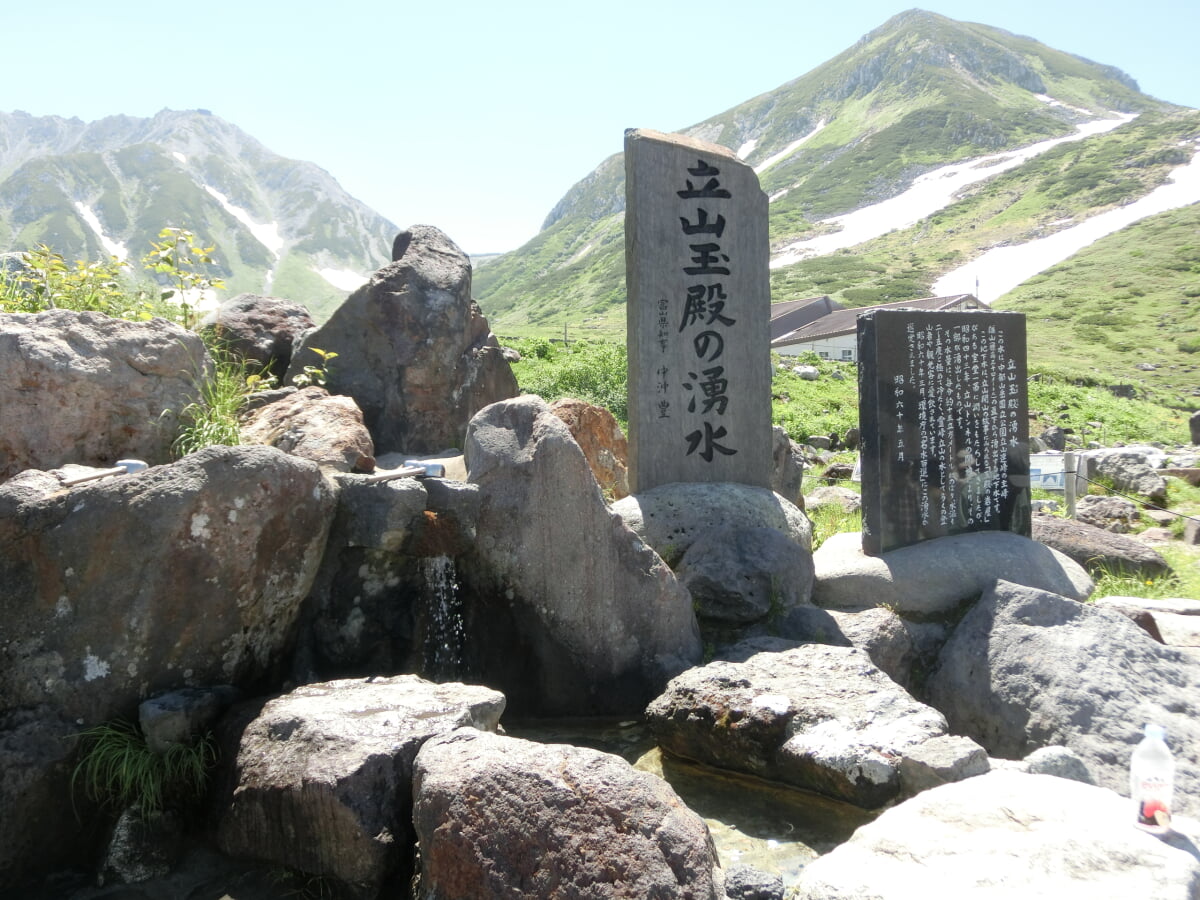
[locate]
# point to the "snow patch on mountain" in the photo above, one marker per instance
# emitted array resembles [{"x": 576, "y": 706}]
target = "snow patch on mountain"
[
  {"x": 1001, "y": 269},
  {"x": 113, "y": 248},
  {"x": 747, "y": 148},
  {"x": 928, "y": 193},
  {"x": 342, "y": 279},
  {"x": 788, "y": 150},
  {"x": 179, "y": 156},
  {"x": 266, "y": 234}
]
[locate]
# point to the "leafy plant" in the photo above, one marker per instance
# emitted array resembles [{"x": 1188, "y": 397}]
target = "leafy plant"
[
  {"x": 317, "y": 375},
  {"x": 177, "y": 258},
  {"x": 215, "y": 417},
  {"x": 830, "y": 519},
  {"x": 118, "y": 768}
]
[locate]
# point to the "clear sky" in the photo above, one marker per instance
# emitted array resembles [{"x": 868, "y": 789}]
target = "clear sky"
[{"x": 477, "y": 117}]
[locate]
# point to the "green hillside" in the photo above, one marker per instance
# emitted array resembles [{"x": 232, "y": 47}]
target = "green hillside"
[{"x": 919, "y": 92}]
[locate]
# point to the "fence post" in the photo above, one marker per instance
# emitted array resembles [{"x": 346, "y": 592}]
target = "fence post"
[{"x": 1069, "y": 483}]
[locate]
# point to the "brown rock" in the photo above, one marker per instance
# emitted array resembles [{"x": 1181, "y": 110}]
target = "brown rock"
[
  {"x": 599, "y": 436},
  {"x": 503, "y": 817},
  {"x": 311, "y": 424}
]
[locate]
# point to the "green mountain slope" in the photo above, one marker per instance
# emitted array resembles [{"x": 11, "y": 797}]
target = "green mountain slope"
[
  {"x": 276, "y": 223},
  {"x": 917, "y": 93}
]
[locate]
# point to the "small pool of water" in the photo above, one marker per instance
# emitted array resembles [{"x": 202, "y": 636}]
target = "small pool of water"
[{"x": 764, "y": 824}]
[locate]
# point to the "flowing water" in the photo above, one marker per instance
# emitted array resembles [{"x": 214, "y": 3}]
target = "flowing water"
[
  {"x": 764, "y": 824},
  {"x": 442, "y": 653}
]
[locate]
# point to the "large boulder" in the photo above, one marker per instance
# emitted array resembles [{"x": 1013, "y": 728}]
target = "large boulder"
[
  {"x": 1027, "y": 669},
  {"x": 935, "y": 578},
  {"x": 311, "y": 424},
  {"x": 413, "y": 349},
  {"x": 671, "y": 516},
  {"x": 1097, "y": 549},
  {"x": 574, "y": 614},
  {"x": 599, "y": 436},
  {"x": 81, "y": 387},
  {"x": 1005, "y": 834},
  {"x": 501, "y": 817},
  {"x": 742, "y": 575},
  {"x": 40, "y": 827},
  {"x": 322, "y": 776},
  {"x": 814, "y": 716},
  {"x": 263, "y": 331},
  {"x": 189, "y": 574},
  {"x": 1131, "y": 470}
]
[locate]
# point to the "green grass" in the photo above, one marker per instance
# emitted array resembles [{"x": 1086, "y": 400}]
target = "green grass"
[{"x": 117, "y": 768}]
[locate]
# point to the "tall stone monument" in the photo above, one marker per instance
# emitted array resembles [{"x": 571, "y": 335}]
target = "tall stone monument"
[
  {"x": 943, "y": 413},
  {"x": 696, "y": 260}
]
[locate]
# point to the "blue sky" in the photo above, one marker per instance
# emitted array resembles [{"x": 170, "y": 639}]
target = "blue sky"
[{"x": 477, "y": 117}]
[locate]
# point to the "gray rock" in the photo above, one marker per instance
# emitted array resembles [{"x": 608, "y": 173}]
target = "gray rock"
[
  {"x": 1098, "y": 550},
  {"x": 413, "y": 349},
  {"x": 1132, "y": 472},
  {"x": 1005, "y": 834},
  {"x": 1115, "y": 514},
  {"x": 769, "y": 711},
  {"x": 361, "y": 612},
  {"x": 1061, "y": 762},
  {"x": 502, "y": 817},
  {"x": 263, "y": 330},
  {"x": 886, "y": 638},
  {"x": 787, "y": 467},
  {"x": 941, "y": 760},
  {"x": 748, "y": 883},
  {"x": 671, "y": 516},
  {"x": 832, "y": 495},
  {"x": 183, "y": 575},
  {"x": 807, "y": 373},
  {"x": 738, "y": 575},
  {"x": 600, "y": 620},
  {"x": 1194, "y": 426},
  {"x": 311, "y": 424},
  {"x": 142, "y": 848},
  {"x": 37, "y": 756},
  {"x": 182, "y": 716},
  {"x": 322, "y": 778},
  {"x": 936, "y": 577},
  {"x": 1027, "y": 669},
  {"x": 81, "y": 387},
  {"x": 1054, "y": 438}
]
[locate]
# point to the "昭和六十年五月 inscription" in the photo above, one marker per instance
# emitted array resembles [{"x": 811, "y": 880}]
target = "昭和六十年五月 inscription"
[{"x": 698, "y": 313}]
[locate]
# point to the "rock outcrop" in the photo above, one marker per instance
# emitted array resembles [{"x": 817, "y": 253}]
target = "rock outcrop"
[
  {"x": 185, "y": 574},
  {"x": 413, "y": 349},
  {"x": 263, "y": 331},
  {"x": 81, "y": 387},
  {"x": 818, "y": 717},
  {"x": 574, "y": 614},
  {"x": 1005, "y": 834},
  {"x": 1027, "y": 669},
  {"x": 599, "y": 436},
  {"x": 935, "y": 578},
  {"x": 502, "y": 817},
  {"x": 322, "y": 780}
]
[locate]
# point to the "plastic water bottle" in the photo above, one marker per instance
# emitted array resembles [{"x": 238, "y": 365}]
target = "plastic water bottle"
[{"x": 1152, "y": 779}]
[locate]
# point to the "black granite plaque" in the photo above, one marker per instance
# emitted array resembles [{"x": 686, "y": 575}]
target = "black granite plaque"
[{"x": 943, "y": 411}]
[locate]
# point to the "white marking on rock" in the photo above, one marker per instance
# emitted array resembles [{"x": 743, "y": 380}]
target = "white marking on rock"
[
  {"x": 94, "y": 667},
  {"x": 200, "y": 528}
]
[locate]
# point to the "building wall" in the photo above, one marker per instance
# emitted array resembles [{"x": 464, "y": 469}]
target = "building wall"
[{"x": 836, "y": 347}]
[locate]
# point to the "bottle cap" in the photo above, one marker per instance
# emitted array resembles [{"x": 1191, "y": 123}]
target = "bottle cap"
[{"x": 1156, "y": 731}]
